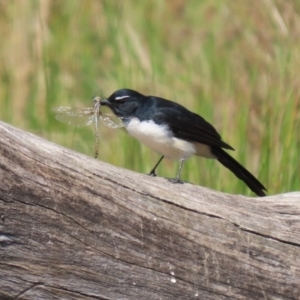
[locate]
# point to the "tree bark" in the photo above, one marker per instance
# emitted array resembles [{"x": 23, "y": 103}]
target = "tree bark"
[{"x": 72, "y": 227}]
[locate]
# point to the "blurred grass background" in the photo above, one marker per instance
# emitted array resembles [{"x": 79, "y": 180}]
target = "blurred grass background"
[{"x": 234, "y": 62}]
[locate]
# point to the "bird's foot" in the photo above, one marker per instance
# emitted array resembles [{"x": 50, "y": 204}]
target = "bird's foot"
[
  {"x": 152, "y": 173},
  {"x": 175, "y": 180}
]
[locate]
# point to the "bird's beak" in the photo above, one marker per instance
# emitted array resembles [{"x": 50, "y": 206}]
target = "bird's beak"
[{"x": 104, "y": 102}]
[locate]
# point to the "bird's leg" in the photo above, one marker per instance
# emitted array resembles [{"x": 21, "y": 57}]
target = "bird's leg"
[
  {"x": 177, "y": 179},
  {"x": 152, "y": 173}
]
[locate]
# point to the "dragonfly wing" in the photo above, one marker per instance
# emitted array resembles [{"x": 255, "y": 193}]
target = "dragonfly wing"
[
  {"x": 79, "y": 117},
  {"x": 111, "y": 121}
]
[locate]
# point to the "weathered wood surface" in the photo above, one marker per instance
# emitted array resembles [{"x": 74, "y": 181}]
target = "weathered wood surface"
[{"x": 72, "y": 227}]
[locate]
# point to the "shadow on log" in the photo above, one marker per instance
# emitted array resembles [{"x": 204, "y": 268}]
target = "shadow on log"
[{"x": 72, "y": 227}]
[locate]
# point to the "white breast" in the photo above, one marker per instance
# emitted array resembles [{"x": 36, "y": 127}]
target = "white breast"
[{"x": 160, "y": 139}]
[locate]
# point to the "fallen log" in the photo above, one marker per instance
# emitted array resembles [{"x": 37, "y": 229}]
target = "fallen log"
[{"x": 72, "y": 227}]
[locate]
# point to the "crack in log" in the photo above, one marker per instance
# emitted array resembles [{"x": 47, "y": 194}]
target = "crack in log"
[
  {"x": 163, "y": 200},
  {"x": 266, "y": 236},
  {"x": 6, "y": 239},
  {"x": 73, "y": 220},
  {"x": 79, "y": 293},
  {"x": 36, "y": 284},
  {"x": 33, "y": 286},
  {"x": 288, "y": 214}
]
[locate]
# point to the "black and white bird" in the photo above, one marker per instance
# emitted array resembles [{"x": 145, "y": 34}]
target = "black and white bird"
[{"x": 174, "y": 132}]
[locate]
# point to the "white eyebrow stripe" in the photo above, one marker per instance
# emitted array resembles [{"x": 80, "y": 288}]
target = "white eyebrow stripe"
[{"x": 121, "y": 97}]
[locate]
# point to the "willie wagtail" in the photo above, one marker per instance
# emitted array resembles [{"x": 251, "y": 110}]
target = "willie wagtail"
[{"x": 175, "y": 132}]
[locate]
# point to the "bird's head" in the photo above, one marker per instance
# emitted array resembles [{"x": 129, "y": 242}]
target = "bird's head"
[{"x": 123, "y": 102}]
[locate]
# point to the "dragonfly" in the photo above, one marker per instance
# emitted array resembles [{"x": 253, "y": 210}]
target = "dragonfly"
[{"x": 81, "y": 117}]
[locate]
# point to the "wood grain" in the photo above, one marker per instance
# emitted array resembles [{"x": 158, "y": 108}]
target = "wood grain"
[{"x": 72, "y": 227}]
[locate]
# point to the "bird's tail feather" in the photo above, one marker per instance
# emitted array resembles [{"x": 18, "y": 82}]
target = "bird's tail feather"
[{"x": 229, "y": 162}]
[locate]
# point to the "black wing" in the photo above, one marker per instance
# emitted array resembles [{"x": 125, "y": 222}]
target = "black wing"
[{"x": 187, "y": 125}]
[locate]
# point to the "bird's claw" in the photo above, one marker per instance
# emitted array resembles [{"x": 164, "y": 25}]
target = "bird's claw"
[
  {"x": 175, "y": 180},
  {"x": 152, "y": 174}
]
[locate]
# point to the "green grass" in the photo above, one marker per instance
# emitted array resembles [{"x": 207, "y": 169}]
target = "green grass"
[{"x": 235, "y": 63}]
